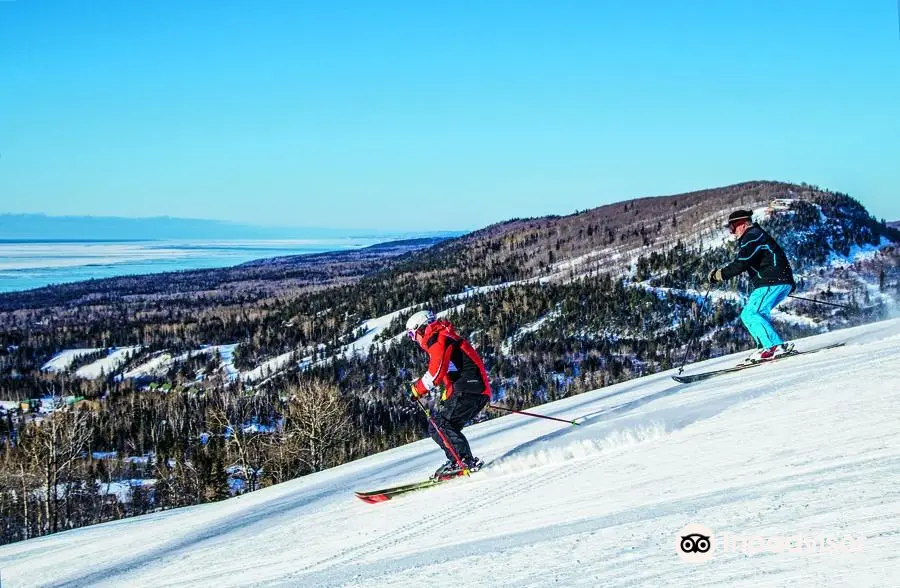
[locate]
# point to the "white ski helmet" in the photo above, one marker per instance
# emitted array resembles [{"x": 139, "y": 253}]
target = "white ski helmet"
[{"x": 419, "y": 320}]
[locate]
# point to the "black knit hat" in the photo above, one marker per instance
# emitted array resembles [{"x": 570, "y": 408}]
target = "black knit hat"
[{"x": 739, "y": 215}]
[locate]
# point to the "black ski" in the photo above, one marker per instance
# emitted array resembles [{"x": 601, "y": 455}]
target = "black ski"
[{"x": 705, "y": 375}]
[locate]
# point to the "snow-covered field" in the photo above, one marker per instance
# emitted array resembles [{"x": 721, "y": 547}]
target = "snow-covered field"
[
  {"x": 108, "y": 364},
  {"x": 161, "y": 362},
  {"x": 808, "y": 446},
  {"x": 62, "y": 360}
]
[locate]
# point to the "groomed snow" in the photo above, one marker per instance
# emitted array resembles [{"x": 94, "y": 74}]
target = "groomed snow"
[
  {"x": 507, "y": 345},
  {"x": 373, "y": 328},
  {"x": 226, "y": 352},
  {"x": 271, "y": 366},
  {"x": 858, "y": 253},
  {"x": 471, "y": 291},
  {"x": 108, "y": 364},
  {"x": 160, "y": 363},
  {"x": 808, "y": 445},
  {"x": 62, "y": 360},
  {"x": 362, "y": 346}
]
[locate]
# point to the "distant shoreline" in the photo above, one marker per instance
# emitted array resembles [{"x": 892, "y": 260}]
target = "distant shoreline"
[
  {"x": 39, "y": 241},
  {"x": 271, "y": 269},
  {"x": 27, "y": 264}
]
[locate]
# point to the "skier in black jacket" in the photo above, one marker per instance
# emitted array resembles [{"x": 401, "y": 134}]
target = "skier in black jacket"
[{"x": 770, "y": 273}]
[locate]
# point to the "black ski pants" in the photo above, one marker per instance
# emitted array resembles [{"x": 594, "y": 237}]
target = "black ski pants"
[{"x": 451, "y": 416}]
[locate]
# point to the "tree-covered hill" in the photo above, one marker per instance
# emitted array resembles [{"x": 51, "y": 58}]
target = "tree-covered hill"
[{"x": 212, "y": 374}]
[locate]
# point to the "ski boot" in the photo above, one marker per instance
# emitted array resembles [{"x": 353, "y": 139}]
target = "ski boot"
[
  {"x": 752, "y": 358},
  {"x": 473, "y": 464},
  {"x": 769, "y": 353},
  {"x": 776, "y": 351},
  {"x": 450, "y": 469}
]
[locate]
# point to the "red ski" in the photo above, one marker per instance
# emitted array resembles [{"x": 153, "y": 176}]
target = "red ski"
[
  {"x": 384, "y": 494},
  {"x": 373, "y": 496}
]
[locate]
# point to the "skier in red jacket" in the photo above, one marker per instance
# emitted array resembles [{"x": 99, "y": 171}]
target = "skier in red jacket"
[{"x": 454, "y": 364}]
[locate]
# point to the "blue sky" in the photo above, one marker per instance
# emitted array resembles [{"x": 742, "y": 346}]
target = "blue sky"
[{"x": 438, "y": 115}]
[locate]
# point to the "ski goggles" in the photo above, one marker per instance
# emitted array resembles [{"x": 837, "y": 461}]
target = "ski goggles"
[{"x": 413, "y": 333}]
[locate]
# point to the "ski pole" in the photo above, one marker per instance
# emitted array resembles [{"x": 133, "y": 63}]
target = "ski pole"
[
  {"x": 694, "y": 335},
  {"x": 531, "y": 414},
  {"x": 820, "y": 302},
  {"x": 443, "y": 437}
]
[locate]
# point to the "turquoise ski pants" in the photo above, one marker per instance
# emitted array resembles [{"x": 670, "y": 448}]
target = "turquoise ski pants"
[{"x": 756, "y": 314}]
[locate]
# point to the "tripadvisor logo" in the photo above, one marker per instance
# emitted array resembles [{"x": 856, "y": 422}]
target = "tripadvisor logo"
[{"x": 697, "y": 543}]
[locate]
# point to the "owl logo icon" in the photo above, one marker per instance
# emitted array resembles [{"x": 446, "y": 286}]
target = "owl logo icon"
[{"x": 695, "y": 543}]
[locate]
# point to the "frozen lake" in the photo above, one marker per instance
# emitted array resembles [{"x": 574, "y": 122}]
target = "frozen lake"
[{"x": 32, "y": 264}]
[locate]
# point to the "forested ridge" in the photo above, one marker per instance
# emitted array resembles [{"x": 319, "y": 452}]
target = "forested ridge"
[{"x": 556, "y": 306}]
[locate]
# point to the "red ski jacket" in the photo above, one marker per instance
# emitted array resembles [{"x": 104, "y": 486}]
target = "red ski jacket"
[{"x": 452, "y": 363}]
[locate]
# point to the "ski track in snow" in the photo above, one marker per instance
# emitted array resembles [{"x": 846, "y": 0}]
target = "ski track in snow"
[{"x": 805, "y": 445}]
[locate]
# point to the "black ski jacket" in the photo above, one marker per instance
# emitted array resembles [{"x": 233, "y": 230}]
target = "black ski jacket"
[{"x": 762, "y": 258}]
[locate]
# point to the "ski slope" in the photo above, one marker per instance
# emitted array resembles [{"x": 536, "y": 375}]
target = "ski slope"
[
  {"x": 108, "y": 364},
  {"x": 62, "y": 360},
  {"x": 809, "y": 445}
]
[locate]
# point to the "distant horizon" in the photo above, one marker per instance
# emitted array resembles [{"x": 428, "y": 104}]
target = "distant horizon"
[
  {"x": 166, "y": 217},
  {"x": 42, "y": 227},
  {"x": 362, "y": 231},
  {"x": 435, "y": 231}
]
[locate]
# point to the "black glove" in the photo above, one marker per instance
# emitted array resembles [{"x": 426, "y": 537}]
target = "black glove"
[{"x": 715, "y": 276}]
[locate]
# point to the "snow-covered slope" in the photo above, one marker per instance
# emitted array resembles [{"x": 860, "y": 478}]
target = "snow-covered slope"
[
  {"x": 161, "y": 362},
  {"x": 108, "y": 364},
  {"x": 62, "y": 360},
  {"x": 809, "y": 445}
]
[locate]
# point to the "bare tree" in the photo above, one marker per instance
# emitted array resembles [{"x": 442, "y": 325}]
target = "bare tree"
[
  {"x": 178, "y": 483},
  {"x": 316, "y": 424},
  {"x": 18, "y": 480},
  {"x": 243, "y": 422},
  {"x": 282, "y": 461},
  {"x": 53, "y": 446}
]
